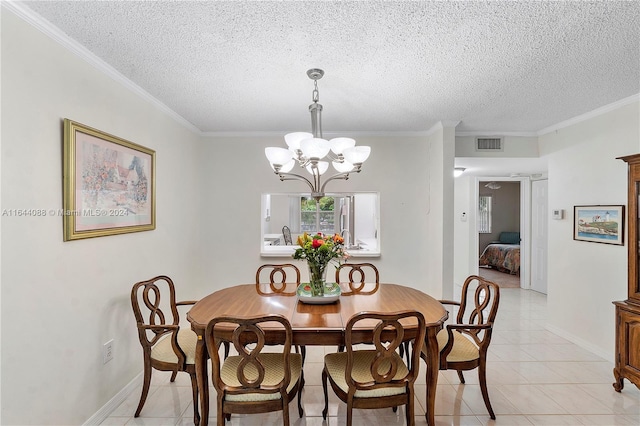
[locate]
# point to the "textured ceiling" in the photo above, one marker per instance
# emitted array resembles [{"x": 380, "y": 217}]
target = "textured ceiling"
[{"x": 509, "y": 67}]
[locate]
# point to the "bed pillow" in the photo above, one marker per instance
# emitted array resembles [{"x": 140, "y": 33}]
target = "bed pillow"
[{"x": 509, "y": 238}]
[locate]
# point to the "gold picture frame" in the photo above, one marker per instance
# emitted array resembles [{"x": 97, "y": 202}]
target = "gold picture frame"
[{"x": 108, "y": 184}]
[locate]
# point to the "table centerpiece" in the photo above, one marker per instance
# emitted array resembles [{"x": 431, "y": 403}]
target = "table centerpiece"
[{"x": 319, "y": 251}]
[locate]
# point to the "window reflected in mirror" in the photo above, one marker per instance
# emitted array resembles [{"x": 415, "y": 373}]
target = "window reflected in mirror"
[{"x": 355, "y": 216}]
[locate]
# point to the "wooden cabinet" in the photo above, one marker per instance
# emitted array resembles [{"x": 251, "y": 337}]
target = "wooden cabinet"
[{"x": 627, "y": 356}]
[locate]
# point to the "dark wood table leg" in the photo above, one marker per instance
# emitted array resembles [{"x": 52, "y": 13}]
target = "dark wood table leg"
[
  {"x": 433, "y": 367},
  {"x": 203, "y": 382}
]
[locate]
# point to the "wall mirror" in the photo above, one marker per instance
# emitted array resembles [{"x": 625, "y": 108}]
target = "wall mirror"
[{"x": 355, "y": 216}]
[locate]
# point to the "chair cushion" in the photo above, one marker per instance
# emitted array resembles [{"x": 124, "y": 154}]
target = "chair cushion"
[
  {"x": 463, "y": 349},
  {"x": 336, "y": 363},
  {"x": 274, "y": 372},
  {"x": 187, "y": 340}
]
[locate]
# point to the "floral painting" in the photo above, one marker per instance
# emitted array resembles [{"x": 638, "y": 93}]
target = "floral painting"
[{"x": 109, "y": 184}]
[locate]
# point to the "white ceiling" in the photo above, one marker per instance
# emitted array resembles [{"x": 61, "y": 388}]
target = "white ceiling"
[{"x": 238, "y": 67}]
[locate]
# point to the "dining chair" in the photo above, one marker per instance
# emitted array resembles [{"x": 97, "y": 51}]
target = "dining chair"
[
  {"x": 463, "y": 346},
  {"x": 358, "y": 276},
  {"x": 362, "y": 278},
  {"x": 278, "y": 277},
  {"x": 254, "y": 381},
  {"x": 286, "y": 234},
  {"x": 375, "y": 378},
  {"x": 165, "y": 346}
]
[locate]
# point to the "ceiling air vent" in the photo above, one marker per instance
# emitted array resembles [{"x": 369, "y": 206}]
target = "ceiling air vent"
[{"x": 489, "y": 144}]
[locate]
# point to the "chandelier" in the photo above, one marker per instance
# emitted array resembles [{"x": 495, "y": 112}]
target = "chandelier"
[{"x": 313, "y": 153}]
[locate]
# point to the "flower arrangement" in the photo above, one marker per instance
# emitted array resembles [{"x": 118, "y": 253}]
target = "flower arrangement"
[{"x": 319, "y": 250}]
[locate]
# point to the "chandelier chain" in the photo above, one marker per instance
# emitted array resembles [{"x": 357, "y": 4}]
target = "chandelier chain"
[{"x": 316, "y": 94}]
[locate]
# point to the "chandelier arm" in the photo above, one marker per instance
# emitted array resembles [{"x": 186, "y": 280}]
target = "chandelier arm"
[
  {"x": 343, "y": 176},
  {"x": 293, "y": 176}
]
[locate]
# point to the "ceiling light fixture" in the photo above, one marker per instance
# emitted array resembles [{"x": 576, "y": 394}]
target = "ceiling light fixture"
[
  {"x": 493, "y": 185},
  {"x": 458, "y": 171},
  {"x": 313, "y": 153}
]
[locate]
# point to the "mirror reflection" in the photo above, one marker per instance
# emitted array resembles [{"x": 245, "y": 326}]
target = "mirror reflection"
[{"x": 355, "y": 216}]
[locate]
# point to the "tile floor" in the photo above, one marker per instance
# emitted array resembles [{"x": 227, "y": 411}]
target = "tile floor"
[{"x": 534, "y": 376}]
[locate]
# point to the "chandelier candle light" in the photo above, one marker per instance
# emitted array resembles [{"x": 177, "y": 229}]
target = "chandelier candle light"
[{"x": 313, "y": 153}]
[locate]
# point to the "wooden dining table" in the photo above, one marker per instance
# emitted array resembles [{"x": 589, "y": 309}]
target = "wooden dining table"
[{"x": 316, "y": 324}]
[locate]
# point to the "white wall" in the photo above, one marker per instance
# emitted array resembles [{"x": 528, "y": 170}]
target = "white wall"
[
  {"x": 62, "y": 301},
  {"x": 440, "y": 202},
  {"x": 465, "y": 237},
  {"x": 584, "y": 278},
  {"x": 397, "y": 169}
]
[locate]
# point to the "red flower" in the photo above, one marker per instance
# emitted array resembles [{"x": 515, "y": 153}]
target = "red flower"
[{"x": 317, "y": 243}]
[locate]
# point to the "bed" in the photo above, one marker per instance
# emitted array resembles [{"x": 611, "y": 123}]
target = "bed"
[{"x": 503, "y": 255}]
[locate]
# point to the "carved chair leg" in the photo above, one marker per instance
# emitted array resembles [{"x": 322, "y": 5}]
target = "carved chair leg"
[
  {"x": 300, "y": 411},
  {"x": 409, "y": 410},
  {"x": 326, "y": 395},
  {"x": 482, "y": 378},
  {"x": 194, "y": 389},
  {"x": 173, "y": 376},
  {"x": 146, "y": 381},
  {"x": 350, "y": 412},
  {"x": 460, "y": 376},
  {"x": 285, "y": 411}
]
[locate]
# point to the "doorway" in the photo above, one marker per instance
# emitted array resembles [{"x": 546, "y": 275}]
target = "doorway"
[
  {"x": 510, "y": 212},
  {"x": 499, "y": 232}
]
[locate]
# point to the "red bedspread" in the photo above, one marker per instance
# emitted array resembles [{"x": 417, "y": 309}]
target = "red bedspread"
[{"x": 504, "y": 257}]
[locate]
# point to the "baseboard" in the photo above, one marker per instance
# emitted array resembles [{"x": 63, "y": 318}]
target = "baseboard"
[
  {"x": 114, "y": 402},
  {"x": 581, "y": 342}
]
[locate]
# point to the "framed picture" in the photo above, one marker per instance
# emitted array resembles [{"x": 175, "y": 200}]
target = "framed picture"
[
  {"x": 599, "y": 224},
  {"x": 109, "y": 184}
]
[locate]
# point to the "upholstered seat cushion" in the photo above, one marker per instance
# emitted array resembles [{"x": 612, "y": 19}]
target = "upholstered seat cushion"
[
  {"x": 463, "y": 348},
  {"x": 187, "y": 340},
  {"x": 336, "y": 363},
  {"x": 274, "y": 372}
]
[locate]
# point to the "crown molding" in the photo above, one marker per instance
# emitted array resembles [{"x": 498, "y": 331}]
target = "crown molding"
[
  {"x": 591, "y": 114},
  {"x": 498, "y": 134},
  {"x": 38, "y": 22},
  {"x": 326, "y": 135}
]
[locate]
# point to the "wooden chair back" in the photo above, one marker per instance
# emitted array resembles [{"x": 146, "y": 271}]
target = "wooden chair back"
[
  {"x": 242, "y": 380},
  {"x": 277, "y": 276},
  {"x": 388, "y": 336},
  {"x": 156, "y": 311},
  {"x": 362, "y": 278},
  {"x": 478, "y": 309}
]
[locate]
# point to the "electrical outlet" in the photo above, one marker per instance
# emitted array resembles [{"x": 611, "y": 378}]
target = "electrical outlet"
[{"x": 107, "y": 352}]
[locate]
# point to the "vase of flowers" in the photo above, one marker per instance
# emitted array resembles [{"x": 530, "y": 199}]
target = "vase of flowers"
[{"x": 319, "y": 250}]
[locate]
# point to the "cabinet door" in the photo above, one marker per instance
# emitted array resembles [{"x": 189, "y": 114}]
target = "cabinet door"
[{"x": 630, "y": 349}]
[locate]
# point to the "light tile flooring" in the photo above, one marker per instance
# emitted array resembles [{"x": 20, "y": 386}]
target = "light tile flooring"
[{"x": 534, "y": 376}]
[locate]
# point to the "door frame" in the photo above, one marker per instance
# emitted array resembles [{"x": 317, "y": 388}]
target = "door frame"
[{"x": 525, "y": 225}]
